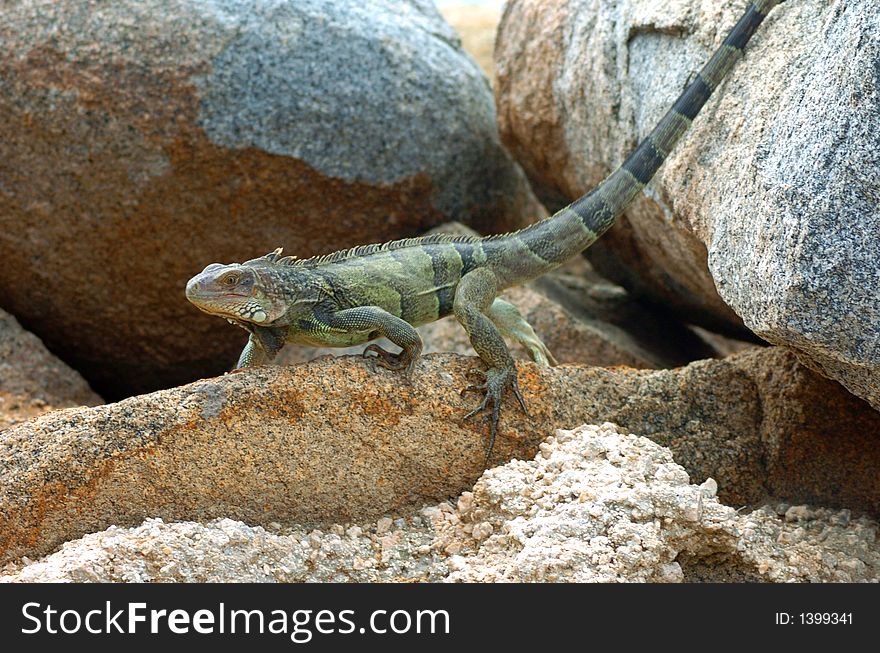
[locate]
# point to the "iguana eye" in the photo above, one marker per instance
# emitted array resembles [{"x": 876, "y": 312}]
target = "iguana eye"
[{"x": 230, "y": 280}]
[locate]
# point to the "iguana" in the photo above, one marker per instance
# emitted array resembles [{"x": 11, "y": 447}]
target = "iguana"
[{"x": 360, "y": 294}]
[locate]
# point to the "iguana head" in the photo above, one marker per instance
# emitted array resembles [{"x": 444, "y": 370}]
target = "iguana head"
[{"x": 239, "y": 292}]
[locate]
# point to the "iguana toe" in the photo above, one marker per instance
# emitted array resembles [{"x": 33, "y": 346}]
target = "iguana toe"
[
  {"x": 391, "y": 361},
  {"x": 497, "y": 381}
]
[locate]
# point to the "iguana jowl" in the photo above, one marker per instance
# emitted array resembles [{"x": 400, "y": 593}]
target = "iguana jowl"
[{"x": 357, "y": 295}]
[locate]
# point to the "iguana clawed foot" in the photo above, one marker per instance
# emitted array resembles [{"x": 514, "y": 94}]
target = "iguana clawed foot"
[
  {"x": 480, "y": 375},
  {"x": 497, "y": 380},
  {"x": 403, "y": 361}
]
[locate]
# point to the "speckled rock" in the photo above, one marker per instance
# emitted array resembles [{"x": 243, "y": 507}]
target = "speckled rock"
[
  {"x": 145, "y": 139},
  {"x": 773, "y": 196},
  {"x": 32, "y": 380},
  {"x": 331, "y": 441},
  {"x": 595, "y": 504},
  {"x": 227, "y": 551}
]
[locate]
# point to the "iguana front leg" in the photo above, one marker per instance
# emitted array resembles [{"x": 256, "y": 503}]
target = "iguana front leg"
[
  {"x": 251, "y": 356},
  {"x": 473, "y": 298},
  {"x": 262, "y": 346},
  {"x": 379, "y": 322}
]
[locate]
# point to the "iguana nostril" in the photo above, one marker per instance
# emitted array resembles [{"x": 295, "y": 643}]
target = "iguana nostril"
[{"x": 192, "y": 287}]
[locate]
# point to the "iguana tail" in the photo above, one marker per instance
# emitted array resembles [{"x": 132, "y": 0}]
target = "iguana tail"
[{"x": 543, "y": 246}]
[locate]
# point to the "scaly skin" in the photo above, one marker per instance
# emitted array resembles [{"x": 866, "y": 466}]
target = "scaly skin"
[{"x": 357, "y": 295}]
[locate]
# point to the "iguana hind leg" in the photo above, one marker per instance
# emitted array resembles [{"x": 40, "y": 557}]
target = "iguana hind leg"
[
  {"x": 513, "y": 325},
  {"x": 473, "y": 300}
]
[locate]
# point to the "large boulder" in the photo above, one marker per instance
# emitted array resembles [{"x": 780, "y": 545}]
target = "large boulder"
[
  {"x": 32, "y": 380},
  {"x": 330, "y": 441},
  {"x": 773, "y": 196},
  {"x": 143, "y": 139}
]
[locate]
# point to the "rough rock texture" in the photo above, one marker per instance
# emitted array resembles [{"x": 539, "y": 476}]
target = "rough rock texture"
[
  {"x": 581, "y": 317},
  {"x": 227, "y": 551},
  {"x": 331, "y": 441},
  {"x": 32, "y": 380},
  {"x": 145, "y": 139},
  {"x": 598, "y": 505},
  {"x": 595, "y": 504},
  {"x": 772, "y": 197},
  {"x": 722, "y": 345}
]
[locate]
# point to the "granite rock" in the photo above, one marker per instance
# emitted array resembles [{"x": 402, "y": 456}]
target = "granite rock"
[
  {"x": 32, "y": 380},
  {"x": 331, "y": 441},
  {"x": 766, "y": 215},
  {"x": 595, "y": 504},
  {"x": 229, "y": 551}
]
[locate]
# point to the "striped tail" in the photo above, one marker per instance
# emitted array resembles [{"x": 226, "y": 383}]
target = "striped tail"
[{"x": 576, "y": 227}]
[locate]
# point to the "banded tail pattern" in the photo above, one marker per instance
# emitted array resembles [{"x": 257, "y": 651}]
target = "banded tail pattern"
[{"x": 551, "y": 242}]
